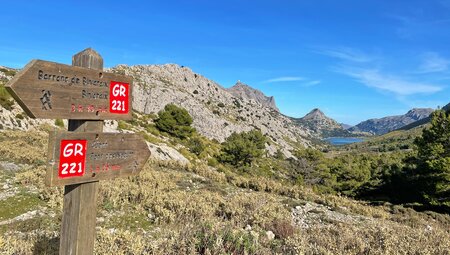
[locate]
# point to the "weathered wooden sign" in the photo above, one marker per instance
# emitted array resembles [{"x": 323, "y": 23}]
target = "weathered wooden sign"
[
  {"x": 49, "y": 90},
  {"x": 92, "y": 156},
  {"x": 85, "y": 95}
]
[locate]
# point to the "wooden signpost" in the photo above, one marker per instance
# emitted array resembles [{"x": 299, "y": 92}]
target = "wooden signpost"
[
  {"x": 91, "y": 156},
  {"x": 85, "y": 95},
  {"x": 50, "y": 90}
]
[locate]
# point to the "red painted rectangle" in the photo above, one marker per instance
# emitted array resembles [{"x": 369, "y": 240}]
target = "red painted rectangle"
[
  {"x": 119, "y": 93},
  {"x": 72, "y": 158}
]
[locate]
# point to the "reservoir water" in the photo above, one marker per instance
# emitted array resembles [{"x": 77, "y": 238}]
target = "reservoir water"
[{"x": 343, "y": 140}]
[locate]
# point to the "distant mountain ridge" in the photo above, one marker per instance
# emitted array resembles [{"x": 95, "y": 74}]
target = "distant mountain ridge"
[
  {"x": 422, "y": 121},
  {"x": 244, "y": 91},
  {"x": 322, "y": 125},
  {"x": 390, "y": 123}
]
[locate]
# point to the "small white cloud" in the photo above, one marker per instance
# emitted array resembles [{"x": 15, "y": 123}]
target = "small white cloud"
[
  {"x": 401, "y": 87},
  {"x": 285, "y": 79},
  {"x": 311, "y": 83},
  {"x": 347, "y": 54},
  {"x": 433, "y": 62}
]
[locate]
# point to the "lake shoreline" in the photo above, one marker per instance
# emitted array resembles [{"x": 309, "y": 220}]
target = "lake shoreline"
[{"x": 338, "y": 141}]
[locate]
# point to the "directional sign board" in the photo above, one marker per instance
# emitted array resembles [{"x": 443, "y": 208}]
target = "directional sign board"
[
  {"x": 90, "y": 156},
  {"x": 50, "y": 90}
]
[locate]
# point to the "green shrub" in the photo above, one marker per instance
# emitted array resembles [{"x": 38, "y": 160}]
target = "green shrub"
[
  {"x": 123, "y": 125},
  {"x": 196, "y": 146},
  {"x": 213, "y": 162},
  {"x": 175, "y": 121},
  {"x": 152, "y": 129},
  {"x": 242, "y": 148},
  {"x": 279, "y": 155},
  {"x": 5, "y": 98},
  {"x": 59, "y": 123}
]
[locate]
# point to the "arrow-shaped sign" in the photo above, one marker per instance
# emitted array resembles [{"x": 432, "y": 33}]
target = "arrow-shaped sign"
[
  {"x": 49, "y": 90},
  {"x": 90, "y": 156}
]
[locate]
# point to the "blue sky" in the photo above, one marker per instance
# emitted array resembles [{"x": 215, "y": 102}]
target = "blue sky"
[{"x": 353, "y": 59}]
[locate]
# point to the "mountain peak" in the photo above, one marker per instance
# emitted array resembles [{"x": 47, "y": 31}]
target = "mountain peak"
[
  {"x": 239, "y": 83},
  {"x": 419, "y": 113},
  {"x": 317, "y": 121},
  {"x": 245, "y": 91},
  {"x": 315, "y": 113}
]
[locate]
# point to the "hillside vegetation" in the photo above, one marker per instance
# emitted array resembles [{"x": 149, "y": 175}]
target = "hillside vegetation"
[
  {"x": 241, "y": 193},
  {"x": 212, "y": 205}
]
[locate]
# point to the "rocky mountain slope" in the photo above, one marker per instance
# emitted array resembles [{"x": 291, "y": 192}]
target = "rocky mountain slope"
[
  {"x": 422, "y": 121},
  {"x": 387, "y": 124},
  {"x": 246, "y": 92},
  {"x": 321, "y": 125},
  {"x": 217, "y": 113}
]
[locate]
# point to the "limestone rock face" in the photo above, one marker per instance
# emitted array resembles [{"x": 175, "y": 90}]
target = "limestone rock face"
[
  {"x": 166, "y": 153},
  {"x": 245, "y": 92},
  {"x": 217, "y": 113}
]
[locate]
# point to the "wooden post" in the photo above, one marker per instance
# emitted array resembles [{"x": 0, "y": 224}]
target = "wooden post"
[
  {"x": 80, "y": 200},
  {"x": 85, "y": 95}
]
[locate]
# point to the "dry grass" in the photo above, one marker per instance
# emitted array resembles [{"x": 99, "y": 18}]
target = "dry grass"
[
  {"x": 23, "y": 147},
  {"x": 173, "y": 209}
]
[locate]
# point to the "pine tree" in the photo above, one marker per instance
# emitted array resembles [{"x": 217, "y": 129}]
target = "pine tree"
[
  {"x": 433, "y": 160},
  {"x": 242, "y": 148},
  {"x": 175, "y": 121}
]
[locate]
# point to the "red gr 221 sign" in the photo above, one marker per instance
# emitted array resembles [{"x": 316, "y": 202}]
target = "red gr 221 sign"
[
  {"x": 72, "y": 159},
  {"x": 118, "y": 97}
]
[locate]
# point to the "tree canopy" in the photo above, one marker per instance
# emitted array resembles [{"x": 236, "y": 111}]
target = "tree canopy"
[
  {"x": 242, "y": 148},
  {"x": 175, "y": 121},
  {"x": 433, "y": 160}
]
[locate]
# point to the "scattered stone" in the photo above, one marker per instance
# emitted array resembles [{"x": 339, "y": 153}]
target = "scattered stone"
[
  {"x": 23, "y": 217},
  {"x": 9, "y": 166},
  {"x": 313, "y": 214},
  {"x": 10, "y": 192},
  {"x": 270, "y": 235},
  {"x": 164, "y": 152}
]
